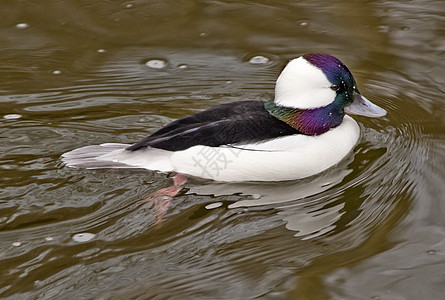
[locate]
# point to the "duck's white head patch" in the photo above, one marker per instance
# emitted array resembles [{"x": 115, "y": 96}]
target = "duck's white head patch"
[{"x": 303, "y": 85}]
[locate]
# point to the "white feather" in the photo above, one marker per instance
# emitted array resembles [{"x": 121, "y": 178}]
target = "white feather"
[
  {"x": 111, "y": 155},
  {"x": 284, "y": 158},
  {"x": 302, "y": 85}
]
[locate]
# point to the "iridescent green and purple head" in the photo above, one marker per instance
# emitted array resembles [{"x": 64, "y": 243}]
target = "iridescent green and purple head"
[{"x": 314, "y": 92}]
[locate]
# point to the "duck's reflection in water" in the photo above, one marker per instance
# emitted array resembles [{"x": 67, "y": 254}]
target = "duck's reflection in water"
[{"x": 306, "y": 214}]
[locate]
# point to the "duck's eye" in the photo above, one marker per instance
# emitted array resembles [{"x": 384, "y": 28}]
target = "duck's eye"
[{"x": 335, "y": 87}]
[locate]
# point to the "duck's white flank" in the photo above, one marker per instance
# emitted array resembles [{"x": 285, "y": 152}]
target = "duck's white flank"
[
  {"x": 284, "y": 158},
  {"x": 302, "y": 85}
]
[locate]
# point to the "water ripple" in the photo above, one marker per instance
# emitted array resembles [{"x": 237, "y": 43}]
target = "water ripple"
[{"x": 380, "y": 211}]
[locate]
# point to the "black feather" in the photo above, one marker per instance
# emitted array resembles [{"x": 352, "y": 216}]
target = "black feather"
[{"x": 227, "y": 124}]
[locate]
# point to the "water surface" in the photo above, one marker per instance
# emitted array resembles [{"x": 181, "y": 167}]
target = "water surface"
[{"x": 76, "y": 73}]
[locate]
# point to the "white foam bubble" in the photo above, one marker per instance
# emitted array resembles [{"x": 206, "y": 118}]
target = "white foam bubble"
[
  {"x": 213, "y": 205},
  {"x": 12, "y": 116},
  {"x": 83, "y": 237},
  {"x": 259, "y": 59},
  {"x": 22, "y": 25},
  {"x": 156, "y": 63}
]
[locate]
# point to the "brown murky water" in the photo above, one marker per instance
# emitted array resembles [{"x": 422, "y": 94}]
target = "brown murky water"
[{"x": 75, "y": 73}]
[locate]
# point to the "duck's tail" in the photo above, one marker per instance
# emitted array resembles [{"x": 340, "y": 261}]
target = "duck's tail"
[
  {"x": 96, "y": 157},
  {"x": 112, "y": 155}
]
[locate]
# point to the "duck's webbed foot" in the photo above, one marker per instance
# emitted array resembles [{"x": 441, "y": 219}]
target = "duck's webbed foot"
[{"x": 160, "y": 200}]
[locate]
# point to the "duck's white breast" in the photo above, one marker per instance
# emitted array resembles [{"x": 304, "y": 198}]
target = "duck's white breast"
[{"x": 284, "y": 158}]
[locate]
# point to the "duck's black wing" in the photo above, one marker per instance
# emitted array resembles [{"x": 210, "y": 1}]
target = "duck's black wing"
[{"x": 227, "y": 124}]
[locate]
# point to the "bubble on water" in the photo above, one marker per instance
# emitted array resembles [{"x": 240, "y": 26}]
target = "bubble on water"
[
  {"x": 229, "y": 81},
  {"x": 183, "y": 66},
  {"x": 128, "y": 5},
  {"x": 303, "y": 23},
  {"x": 83, "y": 237},
  {"x": 383, "y": 28},
  {"x": 405, "y": 28},
  {"x": 101, "y": 51},
  {"x": 16, "y": 244},
  {"x": 259, "y": 59},
  {"x": 57, "y": 72},
  {"x": 156, "y": 63},
  {"x": 48, "y": 239},
  {"x": 431, "y": 252},
  {"x": 213, "y": 205},
  {"x": 256, "y": 196},
  {"x": 12, "y": 116},
  {"x": 203, "y": 34},
  {"x": 22, "y": 25}
]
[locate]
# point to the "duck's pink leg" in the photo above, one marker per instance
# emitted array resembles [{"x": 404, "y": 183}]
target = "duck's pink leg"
[
  {"x": 179, "y": 179},
  {"x": 161, "y": 199}
]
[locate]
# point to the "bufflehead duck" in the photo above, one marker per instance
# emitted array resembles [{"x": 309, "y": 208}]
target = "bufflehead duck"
[{"x": 302, "y": 132}]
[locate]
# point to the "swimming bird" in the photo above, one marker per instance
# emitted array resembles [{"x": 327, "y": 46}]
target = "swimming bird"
[{"x": 304, "y": 130}]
